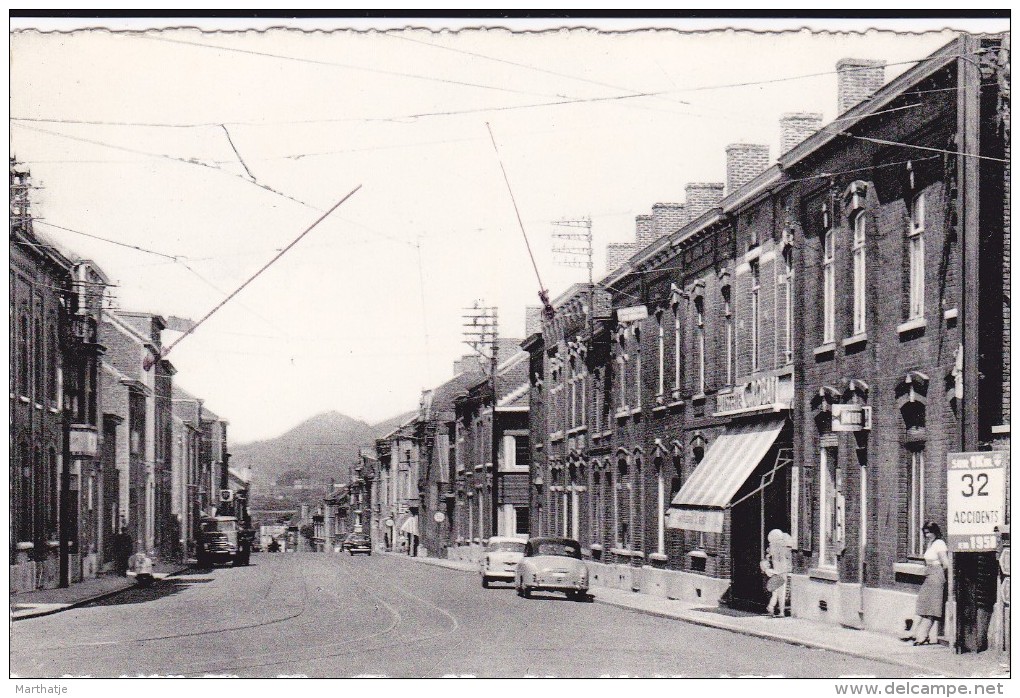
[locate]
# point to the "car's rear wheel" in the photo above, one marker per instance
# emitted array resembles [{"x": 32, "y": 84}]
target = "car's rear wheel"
[
  {"x": 526, "y": 593},
  {"x": 485, "y": 582}
]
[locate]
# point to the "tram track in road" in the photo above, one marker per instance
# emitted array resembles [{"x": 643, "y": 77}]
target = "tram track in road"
[
  {"x": 343, "y": 647},
  {"x": 197, "y": 633}
]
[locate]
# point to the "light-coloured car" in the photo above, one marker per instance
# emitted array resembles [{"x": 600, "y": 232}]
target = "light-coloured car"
[
  {"x": 552, "y": 564},
  {"x": 499, "y": 561}
]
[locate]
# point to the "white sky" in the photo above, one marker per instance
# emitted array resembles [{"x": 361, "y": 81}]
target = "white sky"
[{"x": 352, "y": 318}]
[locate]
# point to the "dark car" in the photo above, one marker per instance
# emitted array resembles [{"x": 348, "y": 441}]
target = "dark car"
[{"x": 358, "y": 543}]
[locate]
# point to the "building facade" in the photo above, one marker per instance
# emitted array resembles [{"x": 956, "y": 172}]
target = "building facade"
[
  {"x": 796, "y": 350},
  {"x": 56, "y": 533}
]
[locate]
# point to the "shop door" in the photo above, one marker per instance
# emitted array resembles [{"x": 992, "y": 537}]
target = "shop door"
[{"x": 751, "y": 520}]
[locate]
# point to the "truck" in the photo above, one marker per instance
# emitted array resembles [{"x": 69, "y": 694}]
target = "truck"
[{"x": 228, "y": 536}]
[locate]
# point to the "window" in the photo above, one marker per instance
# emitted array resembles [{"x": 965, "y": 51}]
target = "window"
[
  {"x": 23, "y": 364},
  {"x": 788, "y": 303},
  {"x": 38, "y": 354},
  {"x": 661, "y": 385},
  {"x": 830, "y": 514},
  {"x": 860, "y": 285},
  {"x": 699, "y": 338},
  {"x": 728, "y": 322},
  {"x": 660, "y": 509},
  {"x": 53, "y": 481},
  {"x": 755, "y": 310},
  {"x": 622, "y": 362},
  {"x": 523, "y": 520},
  {"x": 522, "y": 450},
  {"x": 915, "y": 504},
  {"x": 676, "y": 349},
  {"x": 637, "y": 378},
  {"x": 829, "y": 288},
  {"x": 915, "y": 245}
]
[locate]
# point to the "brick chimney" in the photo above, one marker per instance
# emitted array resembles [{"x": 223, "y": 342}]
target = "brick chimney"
[
  {"x": 532, "y": 320},
  {"x": 858, "y": 79},
  {"x": 668, "y": 218},
  {"x": 744, "y": 162},
  {"x": 617, "y": 253},
  {"x": 795, "y": 127},
  {"x": 702, "y": 196},
  {"x": 644, "y": 231},
  {"x": 465, "y": 363}
]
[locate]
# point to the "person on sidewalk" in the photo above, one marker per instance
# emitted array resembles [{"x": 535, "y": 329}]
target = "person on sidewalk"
[
  {"x": 123, "y": 546},
  {"x": 776, "y": 566},
  {"x": 931, "y": 600}
]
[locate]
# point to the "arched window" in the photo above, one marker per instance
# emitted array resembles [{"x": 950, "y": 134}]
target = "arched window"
[
  {"x": 829, "y": 287},
  {"x": 860, "y": 280}
]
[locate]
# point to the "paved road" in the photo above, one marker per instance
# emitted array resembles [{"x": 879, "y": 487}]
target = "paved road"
[{"x": 336, "y": 616}]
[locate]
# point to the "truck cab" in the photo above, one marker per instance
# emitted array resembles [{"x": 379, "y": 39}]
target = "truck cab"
[{"x": 222, "y": 539}]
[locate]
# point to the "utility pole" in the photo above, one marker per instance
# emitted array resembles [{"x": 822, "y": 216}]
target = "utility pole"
[{"x": 481, "y": 331}]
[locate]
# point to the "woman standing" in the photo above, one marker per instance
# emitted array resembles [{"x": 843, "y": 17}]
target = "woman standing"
[{"x": 931, "y": 598}]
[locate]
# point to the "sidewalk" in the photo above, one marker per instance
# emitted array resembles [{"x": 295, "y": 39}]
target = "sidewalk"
[
  {"x": 33, "y": 604},
  {"x": 927, "y": 661}
]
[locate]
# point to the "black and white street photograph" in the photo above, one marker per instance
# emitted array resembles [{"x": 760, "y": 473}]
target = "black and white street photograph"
[{"x": 510, "y": 345}]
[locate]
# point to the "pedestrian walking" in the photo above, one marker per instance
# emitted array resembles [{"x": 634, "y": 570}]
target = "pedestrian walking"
[
  {"x": 123, "y": 545},
  {"x": 931, "y": 600}
]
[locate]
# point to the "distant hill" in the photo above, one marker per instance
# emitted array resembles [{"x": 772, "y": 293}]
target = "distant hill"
[
  {"x": 320, "y": 448},
  {"x": 323, "y": 447}
]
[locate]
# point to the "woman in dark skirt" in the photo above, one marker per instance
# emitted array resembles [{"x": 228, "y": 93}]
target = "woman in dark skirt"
[{"x": 931, "y": 598}]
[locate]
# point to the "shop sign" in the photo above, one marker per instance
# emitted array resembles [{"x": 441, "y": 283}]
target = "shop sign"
[
  {"x": 707, "y": 520},
  {"x": 851, "y": 418},
  {"x": 84, "y": 441},
  {"x": 632, "y": 314},
  {"x": 761, "y": 394},
  {"x": 975, "y": 499}
]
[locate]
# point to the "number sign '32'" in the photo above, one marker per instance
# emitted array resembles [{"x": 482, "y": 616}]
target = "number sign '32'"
[{"x": 976, "y": 497}]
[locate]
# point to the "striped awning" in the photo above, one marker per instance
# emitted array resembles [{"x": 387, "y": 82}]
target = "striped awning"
[{"x": 729, "y": 462}]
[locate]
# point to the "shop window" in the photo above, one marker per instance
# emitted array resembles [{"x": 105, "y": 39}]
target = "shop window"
[{"x": 830, "y": 498}]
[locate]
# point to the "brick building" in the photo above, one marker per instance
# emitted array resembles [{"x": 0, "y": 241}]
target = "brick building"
[
  {"x": 395, "y": 497},
  {"x": 56, "y": 531},
  {"x": 436, "y": 431},
  {"x": 796, "y": 295},
  {"x": 491, "y": 489}
]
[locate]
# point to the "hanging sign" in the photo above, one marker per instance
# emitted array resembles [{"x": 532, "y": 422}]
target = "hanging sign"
[
  {"x": 632, "y": 314},
  {"x": 975, "y": 499},
  {"x": 851, "y": 418}
]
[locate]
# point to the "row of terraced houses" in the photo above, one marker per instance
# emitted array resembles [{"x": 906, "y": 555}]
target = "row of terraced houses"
[
  {"x": 798, "y": 348},
  {"x": 101, "y": 436}
]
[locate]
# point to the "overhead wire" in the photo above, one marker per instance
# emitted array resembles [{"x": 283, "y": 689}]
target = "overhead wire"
[{"x": 367, "y": 69}]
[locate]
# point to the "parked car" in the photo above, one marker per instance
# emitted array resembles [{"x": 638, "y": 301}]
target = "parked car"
[
  {"x": 552, "y": 564},
  {"x": 499, "y": 562},
  {"x": 358, "y": 543}
]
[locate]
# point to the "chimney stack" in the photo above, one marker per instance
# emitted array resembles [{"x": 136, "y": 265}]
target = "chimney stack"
[
  {"x": 668, "y": 218},
  {"x": 858, "y": 79},
  {"x": 702, "y": 196},
  {"x": 617, "y": 253},
  {"x": 744, "y": 162},
  {"x": 532, "y": 320},
  {"x": 644, "y": 231},
  {"x": 795, "y": 127}
]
